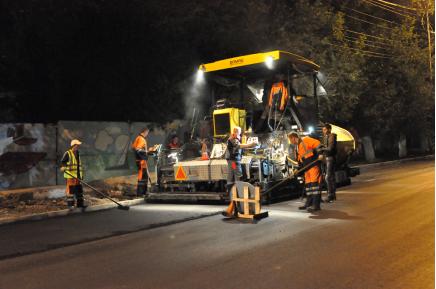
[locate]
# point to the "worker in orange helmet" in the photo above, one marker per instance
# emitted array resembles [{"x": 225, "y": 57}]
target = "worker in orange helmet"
[
  {"x": 306, "y": 150},
  {"x": 142, "y": 151},
  {"x": 71, "y": 165}
]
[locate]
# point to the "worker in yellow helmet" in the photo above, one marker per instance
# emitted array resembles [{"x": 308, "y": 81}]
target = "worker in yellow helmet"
[{"x": 71, "y": 165}]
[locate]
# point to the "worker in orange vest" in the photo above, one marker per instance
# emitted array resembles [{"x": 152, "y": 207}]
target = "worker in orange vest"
[
  {"x": 174, "y": 143},
  {"x": 278, "y": 97},
  {"x": 142, "y": 151},
  {"x": 307, "y": 151}
]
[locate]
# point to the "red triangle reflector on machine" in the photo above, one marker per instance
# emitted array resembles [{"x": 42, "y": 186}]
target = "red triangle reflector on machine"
[{"x": 180, "y": 174}]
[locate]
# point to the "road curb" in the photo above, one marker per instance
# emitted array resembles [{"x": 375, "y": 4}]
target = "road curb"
[
  {"x": 365, "y": 167},
  {"x": 46, "y": 215}
]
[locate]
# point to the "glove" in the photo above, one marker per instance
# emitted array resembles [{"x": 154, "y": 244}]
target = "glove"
[{"x": 142, "y": 154}]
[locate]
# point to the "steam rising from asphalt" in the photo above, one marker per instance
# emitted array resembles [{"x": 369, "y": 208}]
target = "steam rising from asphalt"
[{"x": 193, "y": 94}]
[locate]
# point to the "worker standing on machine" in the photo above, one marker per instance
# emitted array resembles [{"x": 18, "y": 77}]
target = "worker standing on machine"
[
  {"x": 234, "y": 169},
  {"x": 141, "y": 150},
  {"x": 306, "y": 153},
  {"x": 174, "y": 143},
  {"x": 329, "y": 151},
  {"x": 277, "y": 102},
  {"x": 71, "y": 165}
]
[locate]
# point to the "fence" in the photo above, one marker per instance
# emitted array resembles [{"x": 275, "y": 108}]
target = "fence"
[{"x": 30, "y": 153}]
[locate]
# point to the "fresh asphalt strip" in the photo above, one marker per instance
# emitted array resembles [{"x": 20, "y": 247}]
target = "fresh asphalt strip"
[{"x": 113, "y": 234}]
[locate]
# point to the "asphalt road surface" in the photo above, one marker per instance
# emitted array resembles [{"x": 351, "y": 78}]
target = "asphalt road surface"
[{"x": 379, "y": 234}]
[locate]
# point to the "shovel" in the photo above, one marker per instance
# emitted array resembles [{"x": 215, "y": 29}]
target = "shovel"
[
  {"x": 120, "y": 206},
  {"x": 290, "y": 177}
]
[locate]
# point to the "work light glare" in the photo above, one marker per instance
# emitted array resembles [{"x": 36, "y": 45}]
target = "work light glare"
[
  {"x": 269, "y": 62},
  {"x": 200, "y": 76}
]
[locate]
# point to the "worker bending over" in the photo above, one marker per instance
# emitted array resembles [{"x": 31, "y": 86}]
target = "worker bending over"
[
  {"x": 141, "y": 150},
  {"x": 71, "y": 165},
  {"x": 306, "y": 149}
]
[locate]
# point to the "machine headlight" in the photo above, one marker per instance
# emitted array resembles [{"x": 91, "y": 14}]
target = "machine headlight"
[{"x": 269, "y": 62}]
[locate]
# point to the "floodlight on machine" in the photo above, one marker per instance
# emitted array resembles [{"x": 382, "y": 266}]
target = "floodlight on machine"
[
  {"x": 199, "y": 78},
  {"x": 269, "y": 62}
]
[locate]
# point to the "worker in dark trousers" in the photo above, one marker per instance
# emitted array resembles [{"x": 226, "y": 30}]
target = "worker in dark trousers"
[
  {"x": 329, "y": 151},
  {"x": 71, "y": 165},
  {"x": 234, "y": 169},
  {"x": 306, "y": 149},
  {"x": 142, "y": 151}
]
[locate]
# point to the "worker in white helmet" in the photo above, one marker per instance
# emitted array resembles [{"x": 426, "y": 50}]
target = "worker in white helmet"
[{"x": 72, "y": 167}]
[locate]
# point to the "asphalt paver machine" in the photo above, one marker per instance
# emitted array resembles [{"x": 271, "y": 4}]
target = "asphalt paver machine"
[{"x": 267, "y": 95}]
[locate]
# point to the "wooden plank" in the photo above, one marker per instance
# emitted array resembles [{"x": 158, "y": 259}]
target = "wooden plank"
[
  {"x": 246, "y": 197},
  {"x": 245, "y": 216},
  {"x": 234, "y": 195},
  {"x": 257, "y": 200}
]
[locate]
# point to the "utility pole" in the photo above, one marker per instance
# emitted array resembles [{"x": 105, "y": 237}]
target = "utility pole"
[{"x": 429, "y": 41}]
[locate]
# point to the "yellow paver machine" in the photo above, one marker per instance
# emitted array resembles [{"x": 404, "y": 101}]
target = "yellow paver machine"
[{"x": 268, "y": 95}]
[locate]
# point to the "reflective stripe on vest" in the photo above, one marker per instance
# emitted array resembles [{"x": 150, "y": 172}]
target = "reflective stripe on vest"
[{"x": 72, "y": 166}]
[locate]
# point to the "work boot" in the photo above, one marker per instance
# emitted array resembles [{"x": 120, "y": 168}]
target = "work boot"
[
  {"x": 302, "y": 208},
  {"x": 141, "y": 189},
  {"x": 81, "y": 204},
  {"x": 309, "y": 201},
  {"x": 70, "y": 202},
  {"x": 317, "y": 202},
  {"x": 313, "y": 209}
]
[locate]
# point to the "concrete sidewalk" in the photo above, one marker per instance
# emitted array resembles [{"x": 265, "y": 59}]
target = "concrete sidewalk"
[{"x": 57, "y": 191}]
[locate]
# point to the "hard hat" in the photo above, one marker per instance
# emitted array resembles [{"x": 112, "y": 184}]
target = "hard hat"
[
  {"x": 75, "y": 142},
  {"x": 293, "y": 134}
]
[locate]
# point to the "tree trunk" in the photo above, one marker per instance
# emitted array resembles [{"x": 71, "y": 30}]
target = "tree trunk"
[
  {"x": 424, "y": 144},
  {"x": 402, "y": 146},
  {"x": 368, "y": 148}
]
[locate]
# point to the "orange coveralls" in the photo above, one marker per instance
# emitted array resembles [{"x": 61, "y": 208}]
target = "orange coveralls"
[
  {"x": 141, "y": 150},
  {"x": 312, "y": 176},
  {"x": 278, "y": 90}
]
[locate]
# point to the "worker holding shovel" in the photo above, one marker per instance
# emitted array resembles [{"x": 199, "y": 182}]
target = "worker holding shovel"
[
  {"x": 71, "y": 165},
  {"x": 307, "y": 154}
]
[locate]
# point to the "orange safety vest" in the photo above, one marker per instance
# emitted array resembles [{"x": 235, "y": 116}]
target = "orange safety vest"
[
  {"x": 305, "y": 151},
  {"x": 280, "y": 91},
  {"x": 173, "y": 145},
  {"x": 140, "y": 143},
  {"x": 306, "y": 147}
]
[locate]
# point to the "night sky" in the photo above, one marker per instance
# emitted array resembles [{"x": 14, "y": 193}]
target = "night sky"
[
  {"x": 93, "y": 60},
  {"x": 125, "y": 60}
]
